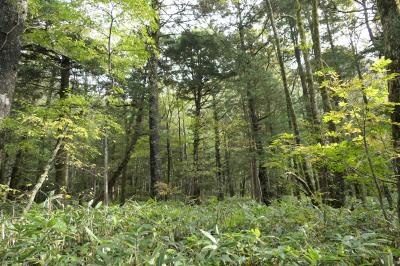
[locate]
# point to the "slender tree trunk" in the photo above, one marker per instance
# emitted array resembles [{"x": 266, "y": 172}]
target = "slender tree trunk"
[
  {"x": 106, "y": 189},
  {"x": 289, "y": 103},
  {"x": 124, "y": 178},
  {"x": 3, "y": 158},
  {"x": 371, "y": 167},
  {"x": 185, "y": 153},
  {"x": 154, "y": 116},
  {"x": 254, "y": 173},
  {"x": 388, "y": 195},
  {"x": 42, "y": 178},
  {"x": 60, "y": 163},
  {"x": 318, "y": 58},
  {"x": 180, "y": 135},
  {"x": 128, "y": 153},
  {"x": 13, "y": 180},
  {"x": 335, "y": 98},
  {"x": 217, "y": 149},
  {"x": 256, "y": 186},
  {"x": 169, "y": 151},
  {"x": 390, "y": 17},
  {"x": 228, "y": 172},
  {"x": 260, "y": 152},
  {"x": 243, "y": 186},
  {"x": 196, "y": 145},
  {"x": 12, "y": 17},
  {"x": 303, "y": 80},
  {"x": 338, "y": 186},
  {"x": 367, "y": 24},
  {"x": 329, "y": 32},
  {"x": 251, "y": 104},
  {"x": 308, "y": 69},
  {"x": 359, "y": 187},
  {"x": 14, "y": 171},
  {"x": 105, "y": 174}
]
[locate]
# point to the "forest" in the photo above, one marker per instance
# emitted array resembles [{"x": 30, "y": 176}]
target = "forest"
[{"x": 200, "y": 132}]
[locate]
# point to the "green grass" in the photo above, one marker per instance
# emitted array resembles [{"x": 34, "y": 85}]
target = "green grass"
[{"x": 233, "y": 232}]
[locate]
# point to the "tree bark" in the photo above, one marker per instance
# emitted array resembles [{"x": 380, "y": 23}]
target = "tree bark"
[
  {"x": 12, "y": 17},
  {"x": 196, "y": 145},
  {"x": 14, "y": 171},
  {"x": 390, "y": 17},
  {"x": 154, "y": 116},
  {"x": 60, "y": 163}
]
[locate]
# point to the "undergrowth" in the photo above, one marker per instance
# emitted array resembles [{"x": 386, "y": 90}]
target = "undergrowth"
[{"x": 233, "y": 232}]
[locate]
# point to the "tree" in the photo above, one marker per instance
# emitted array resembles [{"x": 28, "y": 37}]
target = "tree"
[
  {"x": 200, "y": 60},
  {"x": 154, "y": 116},
  {"x": 390, "y": 17},
  {"x": 12, "y": 18}
]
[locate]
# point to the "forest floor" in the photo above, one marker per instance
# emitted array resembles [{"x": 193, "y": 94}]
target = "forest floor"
[{"x": 233, "y": 232}]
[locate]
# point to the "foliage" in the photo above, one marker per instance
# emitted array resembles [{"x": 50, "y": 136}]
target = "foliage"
[
  {"x": 362, "y": 112},
  {"x": 234, "y": 232}
]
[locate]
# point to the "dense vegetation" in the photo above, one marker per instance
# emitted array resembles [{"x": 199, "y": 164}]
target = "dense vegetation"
[
  {"x": 214, "y": 132},
  {"x": 236, "y": 231}
]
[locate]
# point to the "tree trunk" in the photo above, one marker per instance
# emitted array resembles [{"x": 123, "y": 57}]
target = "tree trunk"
[
  {"x": 60, "y": 163},
  {"x": 128, "y": 152},
  {"x": 12, "y": 17},
  {"x": 329, "y": 31},
  {"x": 260, "y": 152},
  {"x": 124, "y": 178},
  {"x": 154, "y": 116},
  {"x": 14, "y": 171},
  {"x": 217, "y": 149},
  {"x": 308, "y": 69},
  {"x": 390, "y": 17},
  {"x": 105, "y": 173},
  {"x": 303, "y": 80},
  {"x": 169, "y": 151},
  {"x": 228, "y": 172},
  {"x": 42, "y": 177},
  {"x": 180, "y": 135},
  {"x": 3, "y": 158},
  {"x": 251, "y": 104},
  {"x": 289, "y": 103},
  {"x": 335, "y": 98},
  {"x": 318, "y": 58},
  {"x": 337, "y": 188},
  {"x": 196, "y": 145},
  {"x": 256, "y": 186},
  {"x": 367, "y": 24}
]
